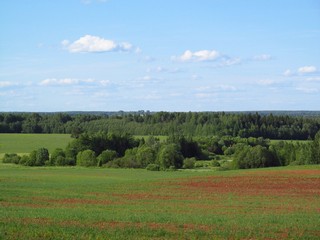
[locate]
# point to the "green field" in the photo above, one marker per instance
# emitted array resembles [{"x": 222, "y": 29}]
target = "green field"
[
  {"x": 97, "y": 203},
  {"x": 25, "y": 143},
  {"x": 274, "y": 141}
]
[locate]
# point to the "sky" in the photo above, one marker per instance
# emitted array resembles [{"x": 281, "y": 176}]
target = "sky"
[{"x": 159, "y": 55}]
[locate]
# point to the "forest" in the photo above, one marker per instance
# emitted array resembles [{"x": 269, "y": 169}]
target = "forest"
[
  {"x": 227, "y": 141},
  {"x": 188, "y": 124}
]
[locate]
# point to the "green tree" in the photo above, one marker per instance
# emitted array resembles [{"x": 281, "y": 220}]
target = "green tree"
[
  {"x": 170, "y": 156},
  {"x": 24, "y": 160},
  {"x": 73, "y": 148},
  {"x": 11, "y": 158},
  {"x": 86, "y": 158},
  {"x": 58, "y": 153},
  {"x": 106, "y": 156},
  {"x": 153, "y": 167},
  {"x": 145, "y": 155},
  {"x": 130, "y": 159},
  {"x": 189, "y": 163},
  {"x": 31, "y": 160},
  {"x": 42, "y": 155},
  {"x": 315, "y": 149},
  {"x": 255, "y": 157}
]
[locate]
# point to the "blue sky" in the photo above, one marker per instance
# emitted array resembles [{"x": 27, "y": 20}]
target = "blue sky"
[{"x": 110, "y": 55}]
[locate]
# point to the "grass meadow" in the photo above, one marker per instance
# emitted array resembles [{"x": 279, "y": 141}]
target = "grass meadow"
[
  {"x": 100, "y": 203},
  {"x": 25, "y": 143}
]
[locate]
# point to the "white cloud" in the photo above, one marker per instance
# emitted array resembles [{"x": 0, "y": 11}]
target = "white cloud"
[
  {"x": 227, "y": 87},
  {"x": 138, "y": 50},
  {"x": 153, "y": 95},
  {"x": 196, "y": 77},
  {"x": 266, "y": 82},
  {"x": 6, "y": 84},
  {"x": 230, "y": 62},
  {"x": 67, "y": 81},
  {"x": 161, "y": 69},
  {"x": 104, "y": 82},
  {"x": 89, "y": 80},
  {"x": 148, "y": 78},
  {"x": 125, "y": 46},
  {"x": 202, "y": 95},
  {"x": 313, "y": 79},
  {"x": 54, "y": 81},
  {"x": 203, "y": 88},
  {"x": 307, "y": 69},
  {"x": 65, "y": 43},
  {"x": 287, "y": 73},
  {"x": 90, "y": 43},
  {"x": 205, "y": 91},
  {"x": 199, "y": 56},
  {"x": 307, "y": 90},
  {"x": 262, "y": 57},
  {"x": 148, "y": 59}
]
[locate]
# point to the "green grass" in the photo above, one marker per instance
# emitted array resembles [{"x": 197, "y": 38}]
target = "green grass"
[
  {"x": 274, "y": 141},
  {"x": 95, "y": 203},
  {"x": 25, "y": 143},
  {"x": 161, "y": 138}
]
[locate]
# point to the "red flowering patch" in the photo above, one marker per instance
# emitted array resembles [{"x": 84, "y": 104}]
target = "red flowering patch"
[
  {"x": 79, "y": 201},
  {"x": 273, "y": 185},
  {"x": 142, "y": 196}
]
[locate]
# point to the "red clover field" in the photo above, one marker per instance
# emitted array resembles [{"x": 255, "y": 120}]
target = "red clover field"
[{"x": 95, "y": 203}]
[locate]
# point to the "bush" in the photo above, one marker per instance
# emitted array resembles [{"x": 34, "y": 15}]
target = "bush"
[
  {"x": 42, "y": 155},
  {"x": 61, "y": 161},
  {"x": 171, "y": 168},
  {"x": 170, "y": 155},
  {"x": 58, "y": 158},
  {"x": 106, "y": 156},
  {"x": 116, "y": 163},
  {"x": 255, "y": 157},
  {"x": 31, "y": 160},
  {"x": 86, "y": 158},
  {"x": 201, "y": 164},
  {"x": 189, "y": 163},
  {"x": 153, "y": 167},
  {"x": 145, "y": 155},
  {"x": 215, "y": 163},
  {"x": 24, "y": 160},
  {"x": 226, "y": 165},
  {"x": 11, "y": 158}
]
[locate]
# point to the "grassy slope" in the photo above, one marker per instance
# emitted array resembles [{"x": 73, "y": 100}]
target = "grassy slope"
[
  {"x": 92, "y": 203},
  {"x": 25, "y": 143}
]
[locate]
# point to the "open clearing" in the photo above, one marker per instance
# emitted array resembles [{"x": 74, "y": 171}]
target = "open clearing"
[
  {"x": 25, "y": 143},
  {"x": 93, "y": 203}
]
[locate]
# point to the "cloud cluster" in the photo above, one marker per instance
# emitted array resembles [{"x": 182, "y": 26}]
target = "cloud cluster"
[
  {"x": 306, "y": 79},
  {"x": 227, "y": 62},
  {"x": 301, "y": 71},
  {"x": 307, "y": 69},
  {"x": 54, "y": 81},
  {"x": 266, "y": 82},
  {"x": 199, "y": 56},
  {"x": 94, "y": 44},
  {"x": 211, "y": 91},
  {"x": 71, "y": 82},
  {"x": 262, "y": 57},
  {"x": 4, "y": 84},
  {"x": 307, "y": 89}
]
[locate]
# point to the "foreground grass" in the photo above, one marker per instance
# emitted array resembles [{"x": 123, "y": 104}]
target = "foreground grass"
[
  {"x": 92, "y": 203},
  {"x": 25, "y": 143}
]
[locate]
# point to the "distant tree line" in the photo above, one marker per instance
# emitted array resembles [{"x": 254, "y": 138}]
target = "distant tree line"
[
  {"x": 189, "y": 124},
  {"x": 177, "y": 151}
]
